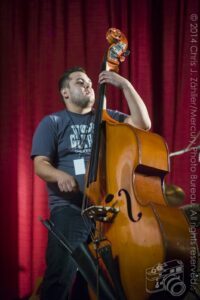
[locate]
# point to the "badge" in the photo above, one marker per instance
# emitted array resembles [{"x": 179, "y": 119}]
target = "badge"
[{"x": 79, "y": 166}]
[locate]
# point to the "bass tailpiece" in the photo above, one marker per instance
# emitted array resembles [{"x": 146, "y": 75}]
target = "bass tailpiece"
[{"x": 101, "y": 213}]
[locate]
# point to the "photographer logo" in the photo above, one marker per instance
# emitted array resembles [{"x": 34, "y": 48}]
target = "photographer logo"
[{"x": 168, "y": 276}]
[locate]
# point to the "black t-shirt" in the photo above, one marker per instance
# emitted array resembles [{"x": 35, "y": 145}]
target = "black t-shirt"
[{"x": 65, "y": 137}]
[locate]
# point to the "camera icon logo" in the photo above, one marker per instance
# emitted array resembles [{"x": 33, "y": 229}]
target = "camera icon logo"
[{"x": 168, "y": 276}]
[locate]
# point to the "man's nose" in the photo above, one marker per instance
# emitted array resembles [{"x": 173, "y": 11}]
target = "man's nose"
[{"x": 87, "y": 85}]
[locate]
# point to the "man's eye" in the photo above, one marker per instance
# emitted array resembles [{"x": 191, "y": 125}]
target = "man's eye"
[{"x": 80, "y": 82}]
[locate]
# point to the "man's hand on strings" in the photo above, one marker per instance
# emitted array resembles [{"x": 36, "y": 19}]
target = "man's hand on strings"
[{"x": 112, "y": 78}]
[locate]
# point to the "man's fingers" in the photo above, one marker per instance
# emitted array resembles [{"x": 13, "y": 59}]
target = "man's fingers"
[
  {"x": 68, "y": 185},
  {"x": 110, "y": 77}
]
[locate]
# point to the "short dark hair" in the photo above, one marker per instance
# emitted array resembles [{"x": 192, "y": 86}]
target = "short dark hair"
[{"x": 63, "y": 81}]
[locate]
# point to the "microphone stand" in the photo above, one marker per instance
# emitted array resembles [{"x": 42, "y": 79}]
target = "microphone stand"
[
  {"x": 183, "y": 151},
  {"x": 85, "y": 263},
  {"x": 188, "y": 148}
]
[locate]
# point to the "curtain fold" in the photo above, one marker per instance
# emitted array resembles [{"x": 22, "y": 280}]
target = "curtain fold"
[{"x": 39, "y": 40}]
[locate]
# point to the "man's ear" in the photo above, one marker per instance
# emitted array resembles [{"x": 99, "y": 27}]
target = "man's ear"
[{"x": 64, "y": 92}]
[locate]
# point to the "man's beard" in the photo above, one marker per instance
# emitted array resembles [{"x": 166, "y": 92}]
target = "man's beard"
[{"x": 83, "y": 102}]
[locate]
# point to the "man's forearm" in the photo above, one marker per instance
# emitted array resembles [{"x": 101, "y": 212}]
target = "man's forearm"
[
  {"x": 139, "y": 114},
  {"x": 46, "y": 171},
  {"x": 138, "y": 110}
]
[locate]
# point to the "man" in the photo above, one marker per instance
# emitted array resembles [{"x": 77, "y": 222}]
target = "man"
[{"x": 61, "y": 149}]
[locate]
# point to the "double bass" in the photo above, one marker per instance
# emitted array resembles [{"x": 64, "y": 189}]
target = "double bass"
[{"x": 143, "y": 243}]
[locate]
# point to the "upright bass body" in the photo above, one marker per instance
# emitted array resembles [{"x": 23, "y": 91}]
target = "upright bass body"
[{"x": 150, "y": 240}]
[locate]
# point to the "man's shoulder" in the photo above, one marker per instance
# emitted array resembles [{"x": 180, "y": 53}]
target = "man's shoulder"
[
  {"x": 52, "y": 121},
  {"x": 54, "y": 117},
  {"x": 57, "y": 115}
]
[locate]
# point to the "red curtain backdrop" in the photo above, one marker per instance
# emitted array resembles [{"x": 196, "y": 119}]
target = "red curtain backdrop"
[{"x": 42, "y": 38}]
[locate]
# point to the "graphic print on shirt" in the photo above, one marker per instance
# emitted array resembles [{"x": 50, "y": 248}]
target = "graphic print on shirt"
[{"x": 81, "y": 137}]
